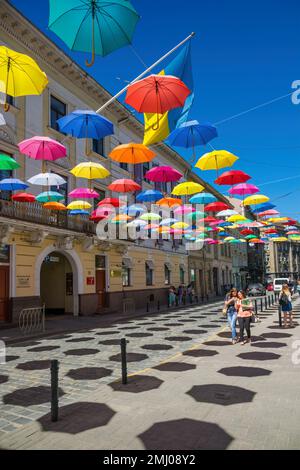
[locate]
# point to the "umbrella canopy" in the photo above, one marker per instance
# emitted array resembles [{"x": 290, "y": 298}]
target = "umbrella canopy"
[
  {"x": 134, "y": 209},
  {"x": 121, "y": 218},
  {"x": 268, "y": 212},
  {"x": 47, "y": 179},
  {"x": 246, "y": 231},
  {"x": 96, "y": 26},
  {"x": 157, "y": 94},
  {"x": 226, "y": 213},
  {"x": 23, "y": 197},
  {"x": 150, "y": 216},
  {"x": 55, "y": 206},
  {"x": 236, "y": 218},
  {"x": 184, "y": 210},
  {"x": 42, "y": 148},
  {"x": 8, "y": 163},
  {"x": 151, "y": 195},
  {"x": 79, "y": 212},
  {"x": 196, "y": 215},
  {"x": 163, "y": 174},
  {"x": 271, "y": 231},
  {"x": 180, "y": 225},
  {"x": 20, "y": 75},
  {"x": 85, "y": 124},
  {"x": 84, "y": 193},
  {"x": 169, "y": 202},
  {"x": 203, "y": 198},
  {"x": 81, "y": 205},
  {"x": 12, "y": 184},
  {"x": 254, "y": 200},
  {"x": 150, "y": 226},
  {"x": 124, "y": 186},
  {"x": 232, "y": 177},
  {"x": 216, "y": 207},
  {"x": 263, "y": 207},
  {"x": 132, "y": 153},
  {"x": 113, "y": 201},
  {"x": 137, "y": 223},
  {"x": 50, "y": 196},
  {"x": 187, "y": 188},
  {"x": 216, "y": 160},
  {"x": 104, "y": 211},
  {"x": 90, "y": 170},
  {"x": 191, "y": 133},
  {"x": 280, "y": 239},
  {"x": 168, "y": 221},
  {"x": 243, "y": 189}
]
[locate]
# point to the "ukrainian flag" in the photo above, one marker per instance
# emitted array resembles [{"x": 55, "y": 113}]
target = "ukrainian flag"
[{"x": 180, "y": 67}]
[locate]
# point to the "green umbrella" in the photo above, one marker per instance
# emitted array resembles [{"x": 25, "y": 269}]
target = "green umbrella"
[
  {"x": 250, "y": 237},
  {"x": 96, "y": 26},
  {"x": 8, "y": 163},
  {"x": 49, "y": 196}
]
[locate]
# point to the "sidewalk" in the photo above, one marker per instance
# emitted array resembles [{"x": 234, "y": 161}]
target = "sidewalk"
[{"x": 214, "y": 396}]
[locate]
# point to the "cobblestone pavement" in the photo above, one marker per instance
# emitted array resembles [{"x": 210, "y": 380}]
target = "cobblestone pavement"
[{"x": 92, "y": 358}]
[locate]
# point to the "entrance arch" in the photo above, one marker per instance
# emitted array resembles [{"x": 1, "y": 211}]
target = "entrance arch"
[{"x": 59, "y": 279}]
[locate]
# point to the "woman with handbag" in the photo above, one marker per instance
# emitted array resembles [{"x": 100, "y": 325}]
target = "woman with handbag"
[
  {"x": 285, "y": 300},
  {"x": 230, "y": 310},
  {"x": 244, "y": 308}
]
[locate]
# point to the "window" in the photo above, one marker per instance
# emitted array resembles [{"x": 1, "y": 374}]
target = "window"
[
  {"x": 167, "y": 275},
  {"x": 126, "y": 275},
  {"x": 58, "y": 109},
  {"x": 149, "y": 273},
  {"x": 146, "y": 167},
  {"x": 124, "y": 166},
  {"x": 63, "y": 189},
  {"x": 192, "y": 275},
  {"x": 181, "y": 275},
  {"x": 98, "y": 146}
]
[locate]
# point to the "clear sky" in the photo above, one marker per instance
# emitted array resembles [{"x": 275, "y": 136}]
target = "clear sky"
[{"x": 245, "y": 53}]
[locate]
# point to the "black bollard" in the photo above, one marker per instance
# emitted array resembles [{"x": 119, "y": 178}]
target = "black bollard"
[
  {"x": 279, "y": 315},
  {"x": 54, "y": 390},
  {"x": 124, "y": 360},
  {"x": 207, "y": 297},
  {"x": 147, "y": 308},
  {"x": 158, "y": 305},
  {"x": 255, "y": 306},
  {"x": 261, "y": 305},
  {"x": 266, "y": 303}
]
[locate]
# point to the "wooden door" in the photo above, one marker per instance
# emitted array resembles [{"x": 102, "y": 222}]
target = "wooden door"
[
  {"x": 101, "y": 287},
  {"x": 4, "y": 292}
]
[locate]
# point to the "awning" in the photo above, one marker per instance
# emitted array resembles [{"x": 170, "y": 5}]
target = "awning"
[
  {"x": 150, "y": 263},
  {"x": 127, "y": 262},
  {"x": 169, "y": 266}
]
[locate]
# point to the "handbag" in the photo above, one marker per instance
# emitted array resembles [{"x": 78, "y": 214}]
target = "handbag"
[
  {"x": 224, "y": 312},
  {"x": 253, "y": 318}
]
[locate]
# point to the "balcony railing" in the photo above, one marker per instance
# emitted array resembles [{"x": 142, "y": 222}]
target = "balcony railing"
[{"x": 36, "y": 213}]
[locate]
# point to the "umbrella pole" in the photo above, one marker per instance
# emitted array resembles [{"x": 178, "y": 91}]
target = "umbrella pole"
[
  {"x": 87, "y": 63},
  {"x": 6, "y": 105}
]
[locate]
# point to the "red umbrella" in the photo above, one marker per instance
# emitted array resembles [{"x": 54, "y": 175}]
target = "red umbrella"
[
  {"x": 246, "y": 231},
  {"x": 216, "y": 207},
  {"x": 113, "y": 201},
  {"x": 209, "y": 219},
  {"x": 157, "y": 94},
  {"x": 271, "y": 231},
  {"x": 124, "y": 186},
  {"x": 96, "y": 218},
  {"x": 23, "y": 197},
  {"x": 232, "y": 177}
]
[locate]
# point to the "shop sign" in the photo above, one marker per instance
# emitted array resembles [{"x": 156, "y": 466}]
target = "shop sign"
[
  {"x": 23, "y": 281},
  {"x": 90, "y": 281}
]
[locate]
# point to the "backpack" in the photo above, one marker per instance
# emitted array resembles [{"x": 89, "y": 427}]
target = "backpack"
[{"x": 284, "y": 300}]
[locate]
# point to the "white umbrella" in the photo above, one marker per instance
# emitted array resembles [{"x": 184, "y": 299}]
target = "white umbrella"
[
  {"x": 226, "y": 213},
  {"x": 136, "y": 223},
  {"x": 47, "y": 179}
]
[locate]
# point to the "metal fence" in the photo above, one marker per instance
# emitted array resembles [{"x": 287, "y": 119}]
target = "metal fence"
[{"x": 32, "y": 319}]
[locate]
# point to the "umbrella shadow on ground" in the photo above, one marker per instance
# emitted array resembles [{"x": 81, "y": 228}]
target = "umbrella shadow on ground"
[
  {"x": 81, "y": 352},
  {"x": 217, "y": 343},
  {"x": 34, "y": 365},
  {"x": 259, "y": 356},
  {"x": 200, "y": 353},
  {"x": 43, "y": 348},
  {"x": 194, "y": 332},
  {"x": 139, "y": 335},
  {"x": 158, "y": 329},
  {"x": 11, "y": 358},
  {"x": 185, "y": 434},
  {"x": 78, "y": 417},
  {"x": 269, "y": 345},
  {"x": 210, "y": 326},
  {"x": 3, "y": 379},
  {"x": 221, "y": 394},
  {"x": 80, "y": 340},
  {"x": 89, "y": 373},
  {"x": 107, "y": 333},
  {"x": 137, "y": 384},
  {"x": 240, "y": 371},
  {"x": 175, "y": 367},
  {"x": 157, "y": 347},
  {"x": 110, "y": 342},
  {"x": 30, "y": 396},
  {"x": 178, "y": 338},
  {"x": 276, "y": 335},
  {"x": 131, "y": 357},
  {"x": 25, "y": 345}
]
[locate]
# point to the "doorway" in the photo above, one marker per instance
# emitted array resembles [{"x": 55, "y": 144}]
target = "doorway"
[
  {"x": 101, "y": 281},
  {"x": 4, "y": 293},
  {"x": 216, "y": 280}
]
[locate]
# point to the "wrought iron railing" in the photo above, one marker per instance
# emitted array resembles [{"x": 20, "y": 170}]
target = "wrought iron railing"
[{"x": 32, "y": 320}]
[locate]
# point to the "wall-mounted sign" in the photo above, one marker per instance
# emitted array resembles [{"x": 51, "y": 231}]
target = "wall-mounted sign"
[
  {"x": 116, "y": 272},
  {"x": 23, "y": 281},
  {"x": 52, "y": 259},
  {"x": 90, "y": 281}
]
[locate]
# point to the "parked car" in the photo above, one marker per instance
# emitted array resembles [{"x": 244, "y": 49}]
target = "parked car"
[
  {"x": 256, "y": 289},
  {"x": 278, "y": 283}
]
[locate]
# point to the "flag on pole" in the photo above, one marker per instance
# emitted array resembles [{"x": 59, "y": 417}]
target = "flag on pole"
[{"x": 181, "y": 67}]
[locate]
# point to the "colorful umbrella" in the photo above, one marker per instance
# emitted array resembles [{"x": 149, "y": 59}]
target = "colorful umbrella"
[
  {"x": 84, "y": 193},
  {"x": 243, "y": 189},
  {"x": 42, "y": 148},
  {"x": 268, "y": 212},
  {"x": 113, "y": 201},
  {"x": 280, "y": 239},
  {"x": 203, "y": 198},
  {"x": 196, "y": 215},
  {"x": 216, "y": 207},
  {"x": 157, "y": 94},
  {"x": 85, "y": 124},
  {"x": 168, "y": 221},
  {"x": 246, "y": 231},
  {"x": 169, "y": 202},
  {"x": 134, "y": 209},
  {"x": 187, "y": 188},
  {"x": 263, "y": 207},
  {"x": 23, "y": 197},
  {"x": 47, "y": 179},
  {"x": 229, "y": 178},
  {"x": 216, "y": 160},
  {"x": 236, "y": 218},
  {"x": 78, "y": 212},
  {"x": 137, "y": 223},
  {"x": 96, "y": 26},
  {"x": 50, "y": 196},
  {"x": 8, "y": 163},
  {"x": 55, "y": 206},
  {"x": 163, "y": 174},
  {"x": 12, "y": 184},
  {"x": 254, "y": 200},
  {"x": 121, "y": 218},
  {"x": 20, "y": 75},
  {"x": 226, "y": 213},
  {"x": 132, "y": 153},
  {"x": 124, "y": 186},
  {"x": 79, "y": 205},
  {"x": 180, "y": 225},
  {"x": 150, "y": 216},
  {"x": 151, "y": 195},
  {"x": 183, "y": 210},
  {"x": 90, "y": 171},
  {"x": 104, "y": 211}
]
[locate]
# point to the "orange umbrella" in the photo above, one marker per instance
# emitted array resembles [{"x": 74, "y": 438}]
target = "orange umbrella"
[
  {"x": 55, "y": 206},
  {"x": 132, "y": 153},
  {"x": 124, "y": 186},
  {"x": 169, "y": 202}
]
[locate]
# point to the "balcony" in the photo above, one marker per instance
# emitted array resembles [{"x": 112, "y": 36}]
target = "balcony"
[{"x": 37, "y": 214}]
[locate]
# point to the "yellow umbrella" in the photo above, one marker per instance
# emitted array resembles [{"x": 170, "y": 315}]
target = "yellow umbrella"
[
  {"x": 236, "y": 218},
  {"x": 81, "y": 205},
  {"x": 90, "y": 170},
  {"x": 228, "y": 239},
  {"x": 20, "y": 75},
  {"x": 255, "y": 199},
  {"x": 216, "y": 160},
  {"x": 280, "y": 239},
  {"x": 187, "y": 188},
  {"x": 150, "y": 216},
  {"x": 278, "y": 220},
  {"x": 180, "y": 225}
]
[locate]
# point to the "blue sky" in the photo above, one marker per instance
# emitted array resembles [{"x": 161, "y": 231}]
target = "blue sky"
[{"x": 244, "y": 54}]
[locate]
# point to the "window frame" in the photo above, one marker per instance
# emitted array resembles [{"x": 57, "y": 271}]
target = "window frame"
[{"x": 56, "y": 127}]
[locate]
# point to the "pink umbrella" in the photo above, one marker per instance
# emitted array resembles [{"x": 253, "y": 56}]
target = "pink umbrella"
[
  {"x": 42, "y": 148},
  {"x": 104, "y": 211},
  {"x": 184, "y": 210},
  {"x": 243, "y": 189},
  {"x": 217, "y": 222},
  {"x": 83, "y": 193},
  {"x": 210, "y": 241},
  {"x": 213, "y": 242},
  {"x": 163, "y": 174},
  {"x": 268, "y": 213}
]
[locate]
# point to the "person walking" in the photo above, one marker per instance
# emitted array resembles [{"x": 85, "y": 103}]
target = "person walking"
[
  {"x": 230, "y": 306},
  {"x": 244, "y": 308},
  {"x": 285, "y": 300},
  {"x": 172, "y": 296},
  {"x": 190, "y": 290},
  {"x": 298, "y": 287}
]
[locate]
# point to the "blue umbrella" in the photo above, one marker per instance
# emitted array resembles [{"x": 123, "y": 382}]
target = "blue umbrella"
[
  {"x": 133, "y": 210},
  {"x": 224, "y": 224},
  {"x": 151, "y": 195},
  {"x": 192, "y": 133},
  {"x": 85, "y": 124},
  {"x": 12, "y": 184},
  {"x": 224, "y": 234},
  {"x": 202, "y": 198},
  {"x": 263, "y": 207},
  {"x": 79, "y": 212}
]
